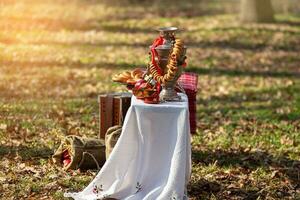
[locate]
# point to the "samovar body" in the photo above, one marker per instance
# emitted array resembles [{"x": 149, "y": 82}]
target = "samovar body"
[{"x": 168, "y": 92}]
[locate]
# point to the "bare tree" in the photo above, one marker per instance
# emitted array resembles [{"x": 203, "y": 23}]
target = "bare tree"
[{"x": 257, "y": 11}]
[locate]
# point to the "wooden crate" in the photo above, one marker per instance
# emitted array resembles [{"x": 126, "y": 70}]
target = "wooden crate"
[{"x": 112, "y": 110}]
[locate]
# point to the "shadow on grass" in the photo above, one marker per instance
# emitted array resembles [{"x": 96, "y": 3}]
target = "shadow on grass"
[
  {"x": 122, "y": 29},
  {"x": 97, "y": 25},
  {"x": 126, "y": 65},
  {"x": 42, "y": 63},
  {"x": 157, "y": 8},
  {"x": 202, "y": 189},
  {"x": 231, "y": 44},
  {"x": 26, "y": 152},
  {"x": 286, "y": 22},
  {"x": 264, "y": 103},
  {"x": 54, "y": 25},
  {"x": 257, "y": 29},
  {"x": 237, "y": 72},
  {"x": 246, "y": 162}
]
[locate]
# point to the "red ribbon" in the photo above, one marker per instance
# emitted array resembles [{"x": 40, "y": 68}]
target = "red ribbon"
[{"x": 158, "y": 41}]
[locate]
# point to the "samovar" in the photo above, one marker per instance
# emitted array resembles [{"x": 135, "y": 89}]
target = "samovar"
[{"x": 168, "y": 92}]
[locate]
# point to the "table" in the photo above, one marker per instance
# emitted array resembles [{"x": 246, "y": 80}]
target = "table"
[{"x": 152, "y": 158}]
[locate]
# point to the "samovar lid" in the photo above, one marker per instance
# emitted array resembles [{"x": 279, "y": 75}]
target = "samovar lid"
[{"x": 168, "y": 29}]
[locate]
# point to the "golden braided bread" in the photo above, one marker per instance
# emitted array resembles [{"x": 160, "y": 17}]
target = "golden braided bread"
[
  {"x": 129, "y": 77},
  {"x": 172, "y": 64}
]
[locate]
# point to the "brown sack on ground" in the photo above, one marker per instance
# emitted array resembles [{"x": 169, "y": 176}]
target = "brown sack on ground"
[
  {"x": 111, "y": 137},
  {"x": 75, "y": 152}
]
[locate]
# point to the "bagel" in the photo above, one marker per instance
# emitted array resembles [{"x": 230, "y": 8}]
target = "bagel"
[
  {"x": 131, "y": 81},
  {"x": 136, "y": 72}
]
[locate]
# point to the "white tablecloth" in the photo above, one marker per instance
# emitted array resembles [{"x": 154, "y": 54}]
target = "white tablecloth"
[{"x": 152, "y": 158}]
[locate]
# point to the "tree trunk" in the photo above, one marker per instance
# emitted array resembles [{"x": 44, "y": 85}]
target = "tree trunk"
[{"x": 257, "y": 11}]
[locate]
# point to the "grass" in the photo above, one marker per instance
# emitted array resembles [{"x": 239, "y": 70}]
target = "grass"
[{"x": 56, "y": 57}]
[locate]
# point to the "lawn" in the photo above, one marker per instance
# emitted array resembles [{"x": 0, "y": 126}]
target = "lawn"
[{"x": 56, "y": 56}]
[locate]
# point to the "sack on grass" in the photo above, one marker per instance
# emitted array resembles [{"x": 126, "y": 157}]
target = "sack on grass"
[
  {"x": 111, "y": 137},
  {"x": 75, "y": 152}
]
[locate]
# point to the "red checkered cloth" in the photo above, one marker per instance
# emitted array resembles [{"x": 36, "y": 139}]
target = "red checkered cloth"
[{"x": 189, "y": 81}]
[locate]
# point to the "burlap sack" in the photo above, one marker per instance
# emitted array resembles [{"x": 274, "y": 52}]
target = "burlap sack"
[
  {"x": 111, "y": 137},
  {"x": 85, "y": 153}
]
